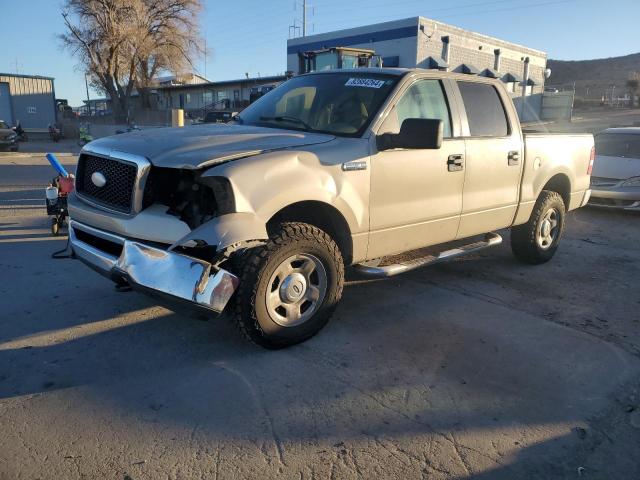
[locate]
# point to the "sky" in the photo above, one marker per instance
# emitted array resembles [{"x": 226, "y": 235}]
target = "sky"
[{"x": 249, "y": 36}]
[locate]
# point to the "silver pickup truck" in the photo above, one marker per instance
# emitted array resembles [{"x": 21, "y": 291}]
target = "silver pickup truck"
[{"x": 259, "y": 217}]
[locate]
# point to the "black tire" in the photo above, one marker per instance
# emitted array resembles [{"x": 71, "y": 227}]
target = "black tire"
[
  {"x": 525, "y": 243},
  {"x": 55, "y": 226},
  {"x": 256, "y": 269}
]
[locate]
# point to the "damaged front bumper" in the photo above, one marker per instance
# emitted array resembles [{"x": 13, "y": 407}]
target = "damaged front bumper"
[{"x": 153, "y": 270}]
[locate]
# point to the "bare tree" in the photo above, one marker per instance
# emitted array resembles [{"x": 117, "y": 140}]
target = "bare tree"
[
  {"x": 169, "y": 40},
  {"x": 124, "y": 43}
]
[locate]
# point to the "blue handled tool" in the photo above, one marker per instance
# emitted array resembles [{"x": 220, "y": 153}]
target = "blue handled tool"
[{"x": 55, "y": 163}]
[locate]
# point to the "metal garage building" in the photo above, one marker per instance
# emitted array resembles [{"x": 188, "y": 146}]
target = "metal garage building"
[{"x": 29, "y": 99}]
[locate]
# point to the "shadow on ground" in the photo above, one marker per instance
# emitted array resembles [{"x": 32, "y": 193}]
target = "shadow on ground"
[{"x": 419, "y": 375}]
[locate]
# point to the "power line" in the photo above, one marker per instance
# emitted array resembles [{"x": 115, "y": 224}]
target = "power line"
[
  {"x": 353, "y": 7},
  {"x": 377, "y": 17}
]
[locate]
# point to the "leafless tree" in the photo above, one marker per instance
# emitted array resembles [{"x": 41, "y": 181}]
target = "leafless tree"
[
  {"x": 169, "y": 40},
  {"x": 123, "y": 44}
]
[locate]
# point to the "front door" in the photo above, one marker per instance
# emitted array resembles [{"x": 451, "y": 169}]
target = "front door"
[
  {"x": 494, "y": 160},
  {"x": 416, "y": 195}
]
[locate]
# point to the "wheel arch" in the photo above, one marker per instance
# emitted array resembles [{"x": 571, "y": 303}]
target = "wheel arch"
[
  {"x": 561, "y": 184},
  {"x": 319, "y": 214}
]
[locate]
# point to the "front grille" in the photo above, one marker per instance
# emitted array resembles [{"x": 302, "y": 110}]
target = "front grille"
[{"x": 117, "y": 193}]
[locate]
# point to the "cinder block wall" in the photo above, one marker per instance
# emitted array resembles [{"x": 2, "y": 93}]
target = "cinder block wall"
[{"x": 478, "y": 50}]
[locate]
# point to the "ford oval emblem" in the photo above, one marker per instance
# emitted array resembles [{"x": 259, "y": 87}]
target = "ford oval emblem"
[{"x": 98, "y": 179}]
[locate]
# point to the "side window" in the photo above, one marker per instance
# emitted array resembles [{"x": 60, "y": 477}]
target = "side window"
[
  {"x": 425, "y": 99},
  {"x": 485, "y": 111}
]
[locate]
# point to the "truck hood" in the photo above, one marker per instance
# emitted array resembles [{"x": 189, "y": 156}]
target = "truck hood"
[{"x": 201, "y": 146}]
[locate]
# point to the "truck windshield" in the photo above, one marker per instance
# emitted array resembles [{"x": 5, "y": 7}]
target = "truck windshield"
[
  {"x": 337, "y": 103},
  {"x": 618, "y": 145}
]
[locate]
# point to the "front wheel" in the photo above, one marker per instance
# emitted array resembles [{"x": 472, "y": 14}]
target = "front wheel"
[
  {"x": 55, "y": 226},
  {"x": 537, "y": 240},
  {"x": 289, "y": 287}
]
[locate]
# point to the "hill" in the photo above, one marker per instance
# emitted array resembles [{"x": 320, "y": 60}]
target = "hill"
[{"x": 594, "y": 77}]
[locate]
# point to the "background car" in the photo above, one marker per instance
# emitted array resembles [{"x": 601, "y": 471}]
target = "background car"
[
  {"x": 218, "y": 116},
  {"x": 615, "y": 180},
  {"x": 8, "y": 137}
]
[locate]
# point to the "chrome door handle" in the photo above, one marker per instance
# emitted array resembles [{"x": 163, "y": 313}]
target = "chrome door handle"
[{"x": 455, "y": 163}]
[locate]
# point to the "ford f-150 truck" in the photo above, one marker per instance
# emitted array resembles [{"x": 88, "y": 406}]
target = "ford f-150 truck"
[{"x": 260, "y": 217}]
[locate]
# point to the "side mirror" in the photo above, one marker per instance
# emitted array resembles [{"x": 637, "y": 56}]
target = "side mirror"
[{"x": 415, "y": 133}]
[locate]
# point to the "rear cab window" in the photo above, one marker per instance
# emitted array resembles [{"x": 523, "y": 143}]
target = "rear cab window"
[
  {"x": 624, "y": 145},
  {"x": 485, "y": 112}
]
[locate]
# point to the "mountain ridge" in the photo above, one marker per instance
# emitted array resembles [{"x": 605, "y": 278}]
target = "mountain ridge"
[{"x": 593, "y": 77}]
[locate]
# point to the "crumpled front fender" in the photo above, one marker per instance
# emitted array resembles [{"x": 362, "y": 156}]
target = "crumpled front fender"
[{"x": 226, "y": 230}]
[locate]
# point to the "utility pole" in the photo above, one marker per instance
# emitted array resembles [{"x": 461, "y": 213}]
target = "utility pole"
[
  {"x": 295, "y": 28},
  {"x": 304, "y": 18}
]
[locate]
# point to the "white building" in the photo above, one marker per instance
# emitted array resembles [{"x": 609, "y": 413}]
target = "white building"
[{"x": 425, "y": 43}]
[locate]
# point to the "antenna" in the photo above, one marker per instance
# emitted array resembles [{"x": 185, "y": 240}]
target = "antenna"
[
  {"x": 294, "y": 30},
  {"x": 17, "y": 65}
]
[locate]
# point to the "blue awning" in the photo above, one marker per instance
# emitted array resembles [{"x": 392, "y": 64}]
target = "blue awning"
[
  {"x": 491, "y": 73},
  {"x": 468, "y": 69},
  {"x": 437, "y": 62},
  {"x": 511, "y": 77}
]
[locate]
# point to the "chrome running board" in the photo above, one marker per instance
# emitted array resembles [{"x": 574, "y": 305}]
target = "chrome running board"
[{"x": 490, "y": 240}]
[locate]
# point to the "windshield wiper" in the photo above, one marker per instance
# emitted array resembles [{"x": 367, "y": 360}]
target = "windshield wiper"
[{"x": 288, "y": 118}]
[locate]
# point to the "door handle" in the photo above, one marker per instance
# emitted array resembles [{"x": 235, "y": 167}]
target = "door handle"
[
  {"x": 513, "y": 158},
  {"x": 455, "y": 163}
]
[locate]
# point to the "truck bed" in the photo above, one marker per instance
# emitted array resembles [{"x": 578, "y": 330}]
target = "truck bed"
[{"x": 568, "y": 154}]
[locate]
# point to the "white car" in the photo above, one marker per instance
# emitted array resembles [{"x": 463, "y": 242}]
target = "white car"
[{"x": 615, "y": 180}]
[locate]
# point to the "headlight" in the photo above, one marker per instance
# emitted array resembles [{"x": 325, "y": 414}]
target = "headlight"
[{"x": 631, "y": 182}]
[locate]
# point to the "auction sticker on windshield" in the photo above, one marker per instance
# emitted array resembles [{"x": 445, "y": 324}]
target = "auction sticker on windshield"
[{"x": 365, "y": 82}]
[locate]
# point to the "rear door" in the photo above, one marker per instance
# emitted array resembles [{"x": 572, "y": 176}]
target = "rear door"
[{"x": 494, "y": 159}]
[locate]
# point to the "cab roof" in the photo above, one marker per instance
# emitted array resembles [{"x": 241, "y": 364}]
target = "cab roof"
[
  {"x": 627, "y": 130},
  {"x": 399, "y": 72}
]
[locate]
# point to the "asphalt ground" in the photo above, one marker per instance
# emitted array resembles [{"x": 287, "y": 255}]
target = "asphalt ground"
[{"x": 479, "y": 368}]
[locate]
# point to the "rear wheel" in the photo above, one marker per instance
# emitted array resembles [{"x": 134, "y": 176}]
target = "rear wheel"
[
  {"x": 537, "y": 240},
  {"x": 289, "y": 287}
]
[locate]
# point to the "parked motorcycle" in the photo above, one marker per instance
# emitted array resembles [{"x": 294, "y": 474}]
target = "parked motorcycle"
[
  {"x": 54, "y": 133},
  {"x": 22, "y": 135}
]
